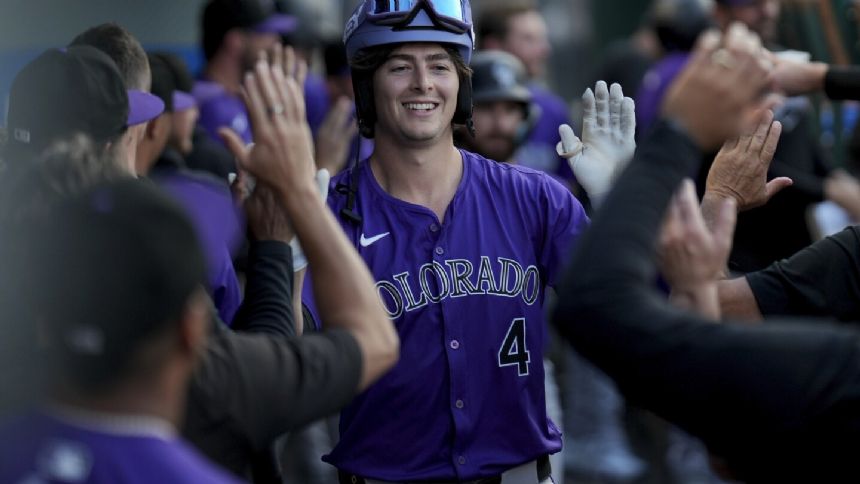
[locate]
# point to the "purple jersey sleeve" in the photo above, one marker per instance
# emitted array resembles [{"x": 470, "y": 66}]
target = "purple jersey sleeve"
[
  {"x": 218, "y": 109},
  {"x": 465, "y": 295}
]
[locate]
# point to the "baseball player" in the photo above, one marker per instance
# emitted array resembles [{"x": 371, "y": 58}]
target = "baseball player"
[{"x": 462, "y": 249}]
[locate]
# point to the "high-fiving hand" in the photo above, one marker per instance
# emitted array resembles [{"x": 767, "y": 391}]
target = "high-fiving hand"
[{"x": 607, "y": 145}]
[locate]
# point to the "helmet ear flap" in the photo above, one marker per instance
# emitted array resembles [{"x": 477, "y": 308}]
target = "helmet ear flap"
[
  {"x": 463, "y": 114},
  {"x": 365, "y": 109}
]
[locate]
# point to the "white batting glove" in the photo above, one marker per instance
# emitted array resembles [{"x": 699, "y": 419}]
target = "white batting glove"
[
  {"x": 607, "y": 145},
  {"x": 299, "y": 259}
]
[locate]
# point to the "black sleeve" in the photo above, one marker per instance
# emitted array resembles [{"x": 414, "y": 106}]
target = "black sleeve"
[
  {"x": 267, "y": 306},
  {"x": 820, "y": 280},
  {"x": 770, "y": 397},
  {"x": 251, "y": 388},
  {"x": 842, "y": 83}
]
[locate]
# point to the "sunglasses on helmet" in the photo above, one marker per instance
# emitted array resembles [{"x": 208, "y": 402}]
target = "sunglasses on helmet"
[{"x": 448, "y": 14}]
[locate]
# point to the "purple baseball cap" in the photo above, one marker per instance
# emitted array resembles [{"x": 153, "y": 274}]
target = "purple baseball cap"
[
  {"x": 142, "y": 107},
  {"x": 182, "y": 101},
  {"x": 277, "y": 23}
]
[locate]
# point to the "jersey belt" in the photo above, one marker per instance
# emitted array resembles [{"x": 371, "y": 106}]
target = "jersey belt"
[{"x": 544, "y": 470}]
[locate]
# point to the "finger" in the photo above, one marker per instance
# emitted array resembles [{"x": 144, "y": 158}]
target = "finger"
[
  {"x": 706, "y": 44},
  {"x": 351, "y": 129},
  {"x": 289, "y": 61},
  {"x": 263, "y": 75},
  {"x": 729, "y": 145},
  {"x": 296, "y": 95},
  {"x": 342, "y": 111},
  {"x": 281, "y": 85},
  {"x": 255, "y": 105},
  {"x": 769, "y": 146},
  {"x": 570, "y": 143},
  {"x": 322, "y": 178},
  {"x": 276, "y": 56},
  {"x": 689, "y": 207},
  {"x": 761, "y": 131},
  {"x": 601, "y": 96},
  {"x": 724, "y": 226},
  {"x": 234, "y": 143},
  {"x": 775, "y": 186},
  {"x": 628, "y": 118},
  {"x": 588, "y": 110},
  {"x": 301, "y": 73},
  {"x": 615, "y": 98}
]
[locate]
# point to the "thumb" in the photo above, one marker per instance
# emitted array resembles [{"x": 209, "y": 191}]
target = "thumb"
[
  {"x": 776, "y": 185},
  {"x": 323, "y": 176},
  {"x": 235, "y": 145},
  {"x": 570, "y": 144}
]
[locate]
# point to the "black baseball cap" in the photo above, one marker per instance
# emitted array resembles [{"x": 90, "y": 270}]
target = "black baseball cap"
[
  {"x": 115, "y": 266},
  {"x": 73, "y": 90},
  {"x": 220, "y": 16},
  {"x": 181, "y": 78}
]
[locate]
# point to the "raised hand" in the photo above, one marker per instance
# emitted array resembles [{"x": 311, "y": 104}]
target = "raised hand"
[
  {"x": 334, "y": 136},
  {"x": 740, "y": 169},
  {"x": 725, "y": 77},
  {"x": 282, "y": 154},
  {"x": 607, "y": 145},
  {"x": 692, "y": 256}
]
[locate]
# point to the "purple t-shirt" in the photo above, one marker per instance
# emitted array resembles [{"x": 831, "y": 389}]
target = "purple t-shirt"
[
  {"x": 42, "y": 449},
  {"x": 220, "y": 108},
  {"x": 538, "y": 152},
  {"x": 466, "y": 400},
  {"x": 219, "y": 224},
  {"x": 654, "y": 85}
]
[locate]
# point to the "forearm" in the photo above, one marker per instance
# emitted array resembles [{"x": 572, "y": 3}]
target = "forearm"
[
  {"x": 269, "y": 289},
  {"x": 737, "y": 301},
  {"x": 343, "y": 287},
  {"x": 702, "y": 300}
]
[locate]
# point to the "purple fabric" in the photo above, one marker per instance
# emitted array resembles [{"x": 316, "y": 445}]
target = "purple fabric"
[
  {"x": 538, "y": 152},
  {"x": 183, "y": 101},
  {"x": 277, "y": 24},
  {"x": 39, "y": 448},
  {"x": 456, "y": 291},
  {"x": 219, "y": 108},
  {"x": 650, "y": 96},
  {"x": 220, "y": 227},
  {"x": 142, "y": 107}
]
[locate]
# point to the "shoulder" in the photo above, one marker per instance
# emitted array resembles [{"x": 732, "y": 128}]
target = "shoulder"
[{"x": 509, "y": 173}]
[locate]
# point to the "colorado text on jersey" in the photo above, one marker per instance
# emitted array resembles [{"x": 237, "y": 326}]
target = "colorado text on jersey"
[{"x": 457, "y": 278}]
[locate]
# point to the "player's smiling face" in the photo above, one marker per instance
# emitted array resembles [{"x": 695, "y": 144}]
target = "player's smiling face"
[{"x": 415, "y": 93}]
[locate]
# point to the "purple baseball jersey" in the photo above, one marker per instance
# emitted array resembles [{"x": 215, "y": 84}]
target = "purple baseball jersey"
[
  {"x": 538, "y": 152},
  {"x": 220, "y": 108},
  {"x": 43, "y": 449},
  {"x": 219, "y": 224},
  {"x": 466, "y": 400}
]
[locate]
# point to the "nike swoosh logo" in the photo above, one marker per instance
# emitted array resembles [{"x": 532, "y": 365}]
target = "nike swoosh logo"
[{"x": 365, "y": 242}]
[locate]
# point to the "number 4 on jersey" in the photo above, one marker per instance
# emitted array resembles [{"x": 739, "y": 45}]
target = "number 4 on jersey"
[{"x": 513, "y": 350}]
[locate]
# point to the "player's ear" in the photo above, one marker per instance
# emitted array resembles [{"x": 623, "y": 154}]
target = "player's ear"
[{"x": 194, "y": 324}]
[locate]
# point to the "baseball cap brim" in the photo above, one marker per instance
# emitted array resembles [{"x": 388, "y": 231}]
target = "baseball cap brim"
[
  {"x": 277, "y": 24},
  {"x": 142, "y": 107},
  {"x": 183, "y": 101}
]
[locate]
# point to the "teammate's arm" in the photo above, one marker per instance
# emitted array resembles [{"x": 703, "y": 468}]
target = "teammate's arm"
[{"x": 283, "y": 156}]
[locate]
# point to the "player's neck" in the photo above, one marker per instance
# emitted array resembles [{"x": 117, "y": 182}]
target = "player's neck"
[{"x": 427, "y": 176}]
